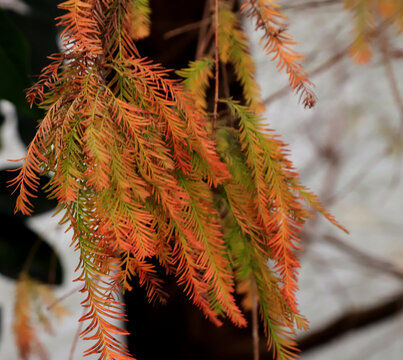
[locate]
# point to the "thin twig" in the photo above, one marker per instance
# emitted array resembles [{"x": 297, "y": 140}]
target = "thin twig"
[
  {"x": 76, "y": 337},
  {"x": 396, "y": 53},
  {"x": 206, "y": 42},
  {"x": 393, "y": 334},
  {"x": 225, "y": 81},
  {"x": 188, "y": 27},
  {"x": 356, "y": 180},
  {"x": 332, "y": 155},
  {"x": 227, "y": 93},
  {"x": 311, "y": 4},
  {"x": 52, "y": 268},
  {"x": 366, "y": 258},
  {"x": 217, "y": 70},
  {"x": 333, "y": 60},
  {"x": 392, "y": 77},
  {"x": 352, "y": 320},
  {"x": 335, "y": 286},
  {"x": 203, "y": 31},
  {"x": 255, "y": 320},
  {"x": 64, "y": 297},
  {"x": 31, "y": 255}
]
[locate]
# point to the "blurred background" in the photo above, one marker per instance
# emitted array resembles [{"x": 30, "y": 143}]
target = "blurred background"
[{"x": 348, "y": 149}]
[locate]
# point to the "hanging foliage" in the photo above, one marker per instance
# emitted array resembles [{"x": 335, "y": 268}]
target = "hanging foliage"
[{"x": 139, "y": 172}]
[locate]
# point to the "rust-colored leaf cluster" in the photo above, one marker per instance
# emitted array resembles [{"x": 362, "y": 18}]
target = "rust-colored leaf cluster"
[
  {"x": 31, "y": 300},
  {"x": 131, "y": 160},
  {"x": 278, "y": 44}
]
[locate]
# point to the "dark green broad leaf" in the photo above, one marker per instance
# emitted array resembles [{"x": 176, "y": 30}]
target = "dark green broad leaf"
[
  {"x": 1, "y": 125},
  {"x": 7, "y": 201},
  {"x": 38, "y": 27},
  {"x": 22, "y": 249},
  {"x": 17, "y": 241},
  {"x": 25, "y": 42},
  {"x": 14, "y": 63}
]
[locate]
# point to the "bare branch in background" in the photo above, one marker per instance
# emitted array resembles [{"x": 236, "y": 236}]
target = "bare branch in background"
[
  {"x": 255, "y": 321},
  {"x": 76, "y": 338},
  {"x": 342, "y": 325},
  {"x": 389, "y": 337},
  {"x": 396, "y": 53},
  {"x": 188, "y": 27},
  {"x": 15, "y": 5},
  {"x": 391, "y": 76},
  {"x": 307, "y": 5},
  {"x": 352, "y": 320},
  {"x": 365, "y": 258},
  {"x": 203, "y": 32},
  {"x": 333, "y": 60}
]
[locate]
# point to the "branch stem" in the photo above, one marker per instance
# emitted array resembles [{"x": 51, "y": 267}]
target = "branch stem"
[
  {"x": 217, "y": 70},
  {"x": 255, "y": 321}
]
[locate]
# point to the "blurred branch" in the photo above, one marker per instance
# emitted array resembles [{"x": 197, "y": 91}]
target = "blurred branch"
[
  {"x": 329, "y": 63},
  {"x": 365, "y": 258},
  {"x": 393, "y": 84},
  {"x": 76, "y": 336},
  {"x": 382, "y": 342},
  {"x": 336, "y": 286},
  {"x": 356, "y": 180},
  {"x": 31, "y": 255},
  {"x": 188, "y": 27},
  {"x": 396, "y": 53},
  {"x": 333, "y": 60},
  {"x": 351, "y": 320},
  {"x": 255, "y": 321},
  {"x": 216, "y": 68},
  {"x": 64, "y": 297},
  {"x": 203, "y": 31},
  {"x": 391, "y": 76},
  {"x": 15, "y": 5},
  {"x": 311, "y": 4}
]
